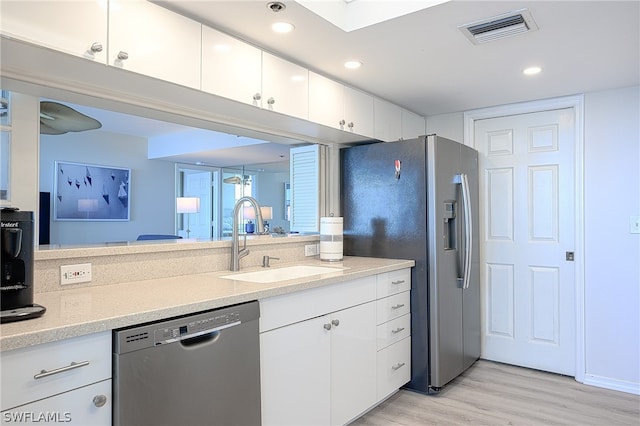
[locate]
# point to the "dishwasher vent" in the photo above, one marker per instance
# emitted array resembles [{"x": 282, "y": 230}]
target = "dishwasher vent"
[
  {"x": 498, "y": 27},
  {"x": 136, "y": 337}
]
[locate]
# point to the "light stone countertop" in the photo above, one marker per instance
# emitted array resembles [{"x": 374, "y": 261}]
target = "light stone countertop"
[{"x": 81, "y": 311}]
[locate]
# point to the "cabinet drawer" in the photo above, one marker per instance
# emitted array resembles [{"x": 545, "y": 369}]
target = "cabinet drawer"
[
  {"x": 393, "y": 282},
  {"x": 394, "y": 367},
  {"x": 87, "y": 406},
  {"x": 393, "y": 307},
  {"x": 393, "y": 331},
  {"x": 279, "y": 311},
  {"x": 20, "y": 367}
]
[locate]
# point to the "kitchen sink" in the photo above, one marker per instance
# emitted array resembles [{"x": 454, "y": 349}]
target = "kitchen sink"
[{"x": 282, "y": 274}]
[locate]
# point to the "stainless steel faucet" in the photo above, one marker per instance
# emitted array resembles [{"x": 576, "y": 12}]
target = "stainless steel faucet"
[{"x": 238, "y": 253}]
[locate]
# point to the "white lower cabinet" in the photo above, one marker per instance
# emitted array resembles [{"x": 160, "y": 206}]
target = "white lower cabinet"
[
  {"x": 394, "y": 367},
  {"x": 86, "y": 406},
  {"x": 323, "y": 359},
  {"x": 295, "y": 364},
  {"x": 67, "y": 381},
  {"x": 393, "y": 306}
]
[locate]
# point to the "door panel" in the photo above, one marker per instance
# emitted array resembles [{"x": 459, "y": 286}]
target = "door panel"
[{"x": 527, "y": 220}]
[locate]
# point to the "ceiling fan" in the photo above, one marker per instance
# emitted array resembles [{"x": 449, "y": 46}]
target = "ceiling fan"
[
  {"x": 57, "y": 119},
  {"x": 237, "y": 180}
]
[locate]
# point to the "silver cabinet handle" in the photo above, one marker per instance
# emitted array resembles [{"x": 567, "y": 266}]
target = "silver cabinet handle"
[
  {"x": 271, "y": 101},
  {"x": 397, "y": 282},
  {"x": 123, "y": 55},
  {"x": 341, "y": 123},
  {"x": 397, "y": 366},
  {"x": 350, "y": 125},
  {"x": 335, "y": 322},
  {"x": 397, "y": 330},
  {"x": 327, "y": 326},
  {"x": 398, "y": 306},
  {"x": 257, "y": 97},
  {"x": 99, "y": 400},
  {"x": 96, "y": 47},
  {"x": 72, "y": 366}
]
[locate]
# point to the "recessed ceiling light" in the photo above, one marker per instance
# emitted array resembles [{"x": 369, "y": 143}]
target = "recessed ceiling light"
[
  {"x": 282, "y": 27},
  {"x": 352, "y": 65},
  {"x": 532, "y": 71}
]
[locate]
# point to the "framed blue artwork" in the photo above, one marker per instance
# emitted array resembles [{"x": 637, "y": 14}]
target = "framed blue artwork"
[{"x": 91, "y": 192}]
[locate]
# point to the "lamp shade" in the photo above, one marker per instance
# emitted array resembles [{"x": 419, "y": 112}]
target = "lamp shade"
[
  {"x": 249, "y": 213},
  {"x": 187, "y": 205},
  {"x": 267, "y": 212}
]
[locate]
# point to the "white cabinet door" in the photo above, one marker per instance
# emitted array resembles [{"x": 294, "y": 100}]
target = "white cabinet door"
[
  {"x": 353, "y": 362},
  {"x": 326, "y": 101},
  {"x": 388, "y": 121},
  {"x": 230, "y": 68},
  {"x": 86, "y": 406},
  {"x": 413, "y": 125},
  {"x": 69, "y": 26},
  {"x": 285, "y": 87},
  {"x": 151, "y": 40},
  {"x": 358, "y": 112},
  {"x": 295, "y": 366}
]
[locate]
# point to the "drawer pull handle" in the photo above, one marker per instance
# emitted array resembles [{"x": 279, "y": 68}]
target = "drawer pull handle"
[
  {"x": 72, "y": 366},
  {"x": 397, "y": 282},
  {"x": 335, "y": 322},
  {"x": 327, "y": 326},
  {"x": 99, "y": 400},
  {"x": 397, "y": 330},
  {"x": 398, "y": 306},
  {"x": 397, "y": 366}
]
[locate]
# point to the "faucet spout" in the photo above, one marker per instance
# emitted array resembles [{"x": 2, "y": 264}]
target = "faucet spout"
[{"x": 236, "y": 252}]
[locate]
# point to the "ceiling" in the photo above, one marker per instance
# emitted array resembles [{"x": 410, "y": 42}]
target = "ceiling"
[{"x": 424, "y": 63}]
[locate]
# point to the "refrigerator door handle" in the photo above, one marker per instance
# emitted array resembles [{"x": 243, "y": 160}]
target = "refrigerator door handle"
[{"x": 468, "y": 229}]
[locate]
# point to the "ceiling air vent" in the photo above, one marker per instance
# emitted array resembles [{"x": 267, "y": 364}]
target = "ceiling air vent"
[{"x": 497, "y": 27}]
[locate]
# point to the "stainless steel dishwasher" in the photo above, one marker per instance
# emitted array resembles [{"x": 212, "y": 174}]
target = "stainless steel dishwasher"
[{"x": 201, "y": 369}]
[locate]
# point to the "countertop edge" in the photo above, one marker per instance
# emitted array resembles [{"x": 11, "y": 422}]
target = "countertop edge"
[{"x": 32, "y": 335}]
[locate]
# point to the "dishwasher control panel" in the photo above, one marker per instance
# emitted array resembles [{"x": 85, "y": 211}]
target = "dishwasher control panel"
[{"x": 194, "y": 328}]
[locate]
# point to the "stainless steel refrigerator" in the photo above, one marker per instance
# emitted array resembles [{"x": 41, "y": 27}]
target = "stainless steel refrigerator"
[{"x": 418, "y": 199}]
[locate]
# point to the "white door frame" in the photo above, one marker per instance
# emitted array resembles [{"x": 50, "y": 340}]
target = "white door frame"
[{"x": 577, "y": 103}]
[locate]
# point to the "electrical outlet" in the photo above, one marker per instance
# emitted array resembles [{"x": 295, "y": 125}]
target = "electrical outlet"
[
  {"x": 73, "y": 274},
  {"x": 634, "y": 224},
  {"x": 310, "y": 249}
]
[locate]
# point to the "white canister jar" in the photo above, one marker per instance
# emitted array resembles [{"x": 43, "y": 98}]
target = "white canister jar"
[{"x": 331, "y": 238}]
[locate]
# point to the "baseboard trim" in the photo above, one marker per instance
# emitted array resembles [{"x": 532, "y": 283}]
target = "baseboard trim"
[{"x": 613, "y": 384}]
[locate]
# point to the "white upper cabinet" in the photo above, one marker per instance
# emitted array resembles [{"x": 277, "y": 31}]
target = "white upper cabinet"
[
  {"x": 335, "y": 105},
  {"x": 413, "y": 125},
  {"x": 388, "y": 121},
  {"x": 285, "y": 87},
  {"x": 230, "y": 67},
  {"x": 151, "y": 40},
  {"x": 358, "y": 112},
  {"x": 78, "y": 28},
  {"x": 326, "y": 101}
]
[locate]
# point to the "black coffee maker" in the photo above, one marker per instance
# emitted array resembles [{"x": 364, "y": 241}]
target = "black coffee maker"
[{"x": 16, "y": 285}]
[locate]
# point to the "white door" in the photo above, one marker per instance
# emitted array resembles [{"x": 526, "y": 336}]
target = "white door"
[
  {"x": 527, "y": 230},
  {"x": 199, "y": 184}
]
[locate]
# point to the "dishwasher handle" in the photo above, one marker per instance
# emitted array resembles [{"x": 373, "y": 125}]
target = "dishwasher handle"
[{"x": 199, "y": 339}]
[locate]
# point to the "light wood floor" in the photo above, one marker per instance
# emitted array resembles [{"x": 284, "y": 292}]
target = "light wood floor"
[{"x": 490, "y": 393}]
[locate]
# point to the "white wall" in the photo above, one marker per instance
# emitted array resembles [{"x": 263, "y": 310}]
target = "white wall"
[
  {"x": 612, "y": 258},
  {"x": 152, "y": 187},
  {"x": 612, "y": 254}
]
